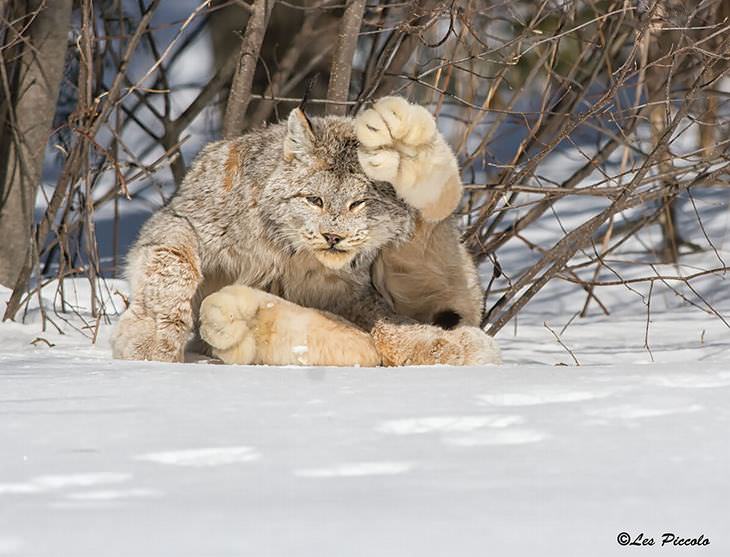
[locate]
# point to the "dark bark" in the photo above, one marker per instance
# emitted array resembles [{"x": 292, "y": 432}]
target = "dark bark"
[
  {"x": 30, "y": 106},
  {"x": 341, "y": 69},
  {"x": 240, "y": 94}
]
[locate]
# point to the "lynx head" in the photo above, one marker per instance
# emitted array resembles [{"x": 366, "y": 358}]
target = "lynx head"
[{"x": 322, "y": 201}]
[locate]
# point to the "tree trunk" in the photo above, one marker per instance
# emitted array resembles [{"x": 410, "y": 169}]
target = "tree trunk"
[
  {"x": 31, "y": 105},
  {"x": 240, "y": 94},
  {"x": 341, "y": 70}
]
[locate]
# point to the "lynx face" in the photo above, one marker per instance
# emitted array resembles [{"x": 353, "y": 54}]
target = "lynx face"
[{"x": 324, "y": 203}]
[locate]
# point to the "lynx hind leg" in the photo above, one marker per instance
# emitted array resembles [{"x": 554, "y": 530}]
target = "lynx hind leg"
[
  {"x": 249, "y": 326},
  {"x": 479, "y": 348},
  {"x": 401, "y": 345},
  {"x": 399, "y": 143},
  {"x": 431, "y": 278},
  {"x": 159, "y": 320},
  {"x": 226, "y": 318}
]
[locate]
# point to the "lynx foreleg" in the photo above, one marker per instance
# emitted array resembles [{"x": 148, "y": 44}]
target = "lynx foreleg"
[
  {"x": 248, "y": 326},
  {"x": 159, "y": 320},
  {"x": 399, "y": 143}
]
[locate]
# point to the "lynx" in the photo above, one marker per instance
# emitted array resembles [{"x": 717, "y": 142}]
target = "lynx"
[{"x": 322, "y": 241}]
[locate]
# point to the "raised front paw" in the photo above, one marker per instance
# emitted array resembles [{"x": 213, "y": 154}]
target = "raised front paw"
[
  {"x": 390, "y": 134},
  {"x": 227, "y": 319},
  {"x": 399, "y": 143},
  {"x": 394, "y": 120}
]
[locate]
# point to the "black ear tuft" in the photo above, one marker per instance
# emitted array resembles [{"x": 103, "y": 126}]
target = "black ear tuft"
[
  {"x": 308, "y": 86},
  {"x": 447, "y": 319}
]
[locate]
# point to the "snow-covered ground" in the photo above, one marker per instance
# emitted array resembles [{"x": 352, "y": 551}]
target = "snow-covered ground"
[
  {"x": 102, "y": 457},
  {"x": 535, "y": 457}
]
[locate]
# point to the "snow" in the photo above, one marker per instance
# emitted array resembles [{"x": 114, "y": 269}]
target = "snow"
[
  {"x": 104, "y": 457},
  {"x": 535, "y": 457}
]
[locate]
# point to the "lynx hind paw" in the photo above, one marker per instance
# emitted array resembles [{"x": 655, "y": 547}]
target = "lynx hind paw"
[
  {"x": 225, "y": 316},
  {"x": 478, "y": 347},
  {"x": 427, "y": 345},
  {"x": 393, "y": 120},
  {"x": 464, "y": 346}
]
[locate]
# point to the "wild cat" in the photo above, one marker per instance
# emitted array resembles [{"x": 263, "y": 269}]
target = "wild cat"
[{"x": 322, "y": 241}]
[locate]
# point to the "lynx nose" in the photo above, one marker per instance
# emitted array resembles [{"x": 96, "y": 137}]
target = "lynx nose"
[{"x": 331, "y": 239}]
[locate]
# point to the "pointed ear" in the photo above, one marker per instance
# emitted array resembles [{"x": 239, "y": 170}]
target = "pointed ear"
[{"x": 299, "y": 135}]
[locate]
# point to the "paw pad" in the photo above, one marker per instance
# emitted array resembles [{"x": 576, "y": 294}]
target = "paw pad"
[{"x": 399, "y": 144}]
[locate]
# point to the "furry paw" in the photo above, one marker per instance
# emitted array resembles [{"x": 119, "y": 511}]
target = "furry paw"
[
  {"x": 393, "y": 120},
  {"x": 401, "y": 345},
  {"x": 477, "y": 346},
  {"x": 399, "y": 143},
  {"x": 219, "y": 323},
  {"x": 464, "y": 346},
  {"x": 137, "y": 336},
  {"x": 226, "y": 323},
  {"x": 390, "y": 134}
]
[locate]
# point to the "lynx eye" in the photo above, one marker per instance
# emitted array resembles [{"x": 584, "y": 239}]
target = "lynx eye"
[
  {"x": 355, "y": 204},
  {"x": 314, "y": 200}
]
